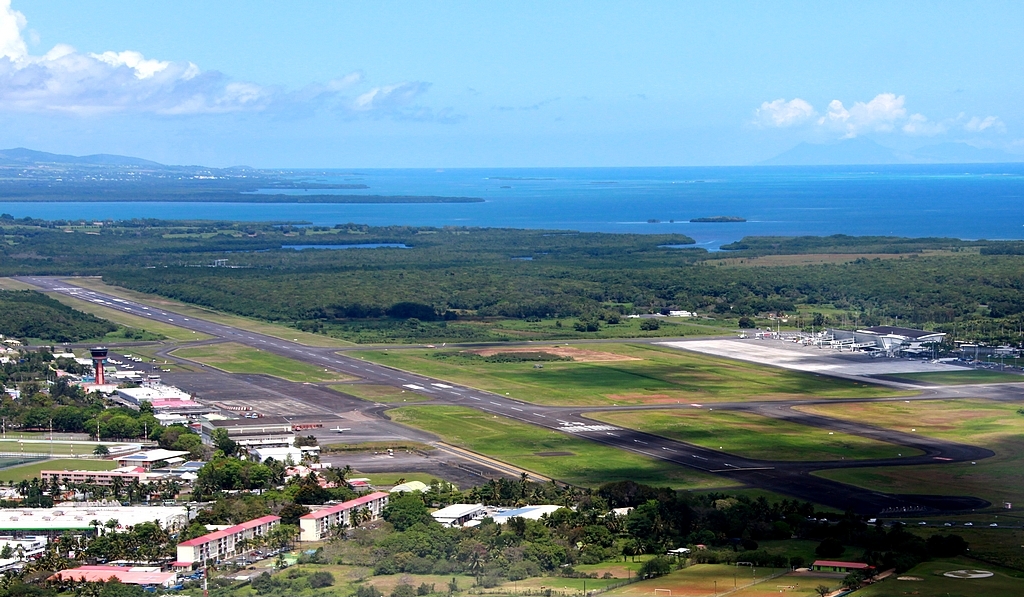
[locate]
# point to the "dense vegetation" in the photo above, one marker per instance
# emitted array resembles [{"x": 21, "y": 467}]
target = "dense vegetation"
[
  {"x": 28, "y": 314},
  {"x": 449, "y": 278}
]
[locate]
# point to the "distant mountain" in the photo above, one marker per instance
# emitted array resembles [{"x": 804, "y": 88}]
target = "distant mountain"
[
  {"x": 848, "y": 151},
  {"x": 865, "y": 151},
  {"x": 20, "y": 155}
]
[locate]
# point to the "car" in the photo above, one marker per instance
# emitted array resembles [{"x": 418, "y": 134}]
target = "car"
[
  {"x": 948, "y": 524},
  {"x": 993, "y": 525},
  {"x": 922, "y": 523},
  {"x": 968, "y": 524}
]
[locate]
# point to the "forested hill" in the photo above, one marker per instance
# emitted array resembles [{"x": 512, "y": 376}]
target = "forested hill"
[
  {"x": 456, "y": 278},
  {"x": 28, "y": 314}
]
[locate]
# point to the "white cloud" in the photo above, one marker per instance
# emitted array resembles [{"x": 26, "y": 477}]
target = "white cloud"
[
  {"x": 64, "y": 80},
  {"x": 977, "y": 125},
  {"x": 885, "y": 113},
  {"x": 918, "y": 124},
  {"x": 780, "y": 113},
  {"x": 12, "y": 45},
  {"x": 880, "y": 114}
]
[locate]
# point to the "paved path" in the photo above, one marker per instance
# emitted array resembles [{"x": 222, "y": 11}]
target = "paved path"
[{"x": 785, "y": 477}]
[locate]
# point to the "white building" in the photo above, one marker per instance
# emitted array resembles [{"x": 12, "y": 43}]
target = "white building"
[
  {"x": 152, "y": 393},
  {"x": 25, "y": 547},
  {"x": 56, "y": 520},
  {"x": 457, "y": 515},
  {"x": 526, "y": 512}
]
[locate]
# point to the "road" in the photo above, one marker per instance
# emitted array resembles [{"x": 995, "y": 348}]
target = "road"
[{"x": 785, "y": 477}]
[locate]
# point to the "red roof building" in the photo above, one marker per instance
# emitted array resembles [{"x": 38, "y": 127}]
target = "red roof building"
[
  {"x": 224, "y": 543},
  {"x": 143, "y": 575},
  {"x": 837, "y": 566},
  {"x": 317, "y": 525}
]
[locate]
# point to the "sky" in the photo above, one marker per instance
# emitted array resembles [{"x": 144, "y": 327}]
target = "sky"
[{"x": 327, "y": 84}]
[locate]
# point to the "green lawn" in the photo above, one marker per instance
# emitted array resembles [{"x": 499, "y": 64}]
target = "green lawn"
[
  {"x": 965, "y": 376},
  {"x": 260, "y": 327},
  {"x": 374, "y": 393},
  {"x": 709, "y": 579},
  {"x": 752, "y": 436},
  {"x": 391, "y": 479},
  {"x": 994, "y": 425},
  {"x": 237, "y": 358},
  {"x": 652, "y": 375},
  {"x": 934, "y": 584},
  {"x": 29, "y": 471},
  {"x": 39, "y": 445},
  {"x": 589, "y": 464}
]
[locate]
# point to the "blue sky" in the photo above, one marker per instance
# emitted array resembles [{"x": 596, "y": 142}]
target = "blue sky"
[{"x": 461, "y": 84}]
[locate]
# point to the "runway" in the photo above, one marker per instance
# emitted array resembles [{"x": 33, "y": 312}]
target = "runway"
[{"x": 784, "y": 477}]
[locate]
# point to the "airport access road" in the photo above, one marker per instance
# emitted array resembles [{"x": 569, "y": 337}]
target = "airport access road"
[{"x": 790, "y": 478}]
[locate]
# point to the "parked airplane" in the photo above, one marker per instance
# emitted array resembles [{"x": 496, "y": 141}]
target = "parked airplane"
[{"x": 341, "y": 429}]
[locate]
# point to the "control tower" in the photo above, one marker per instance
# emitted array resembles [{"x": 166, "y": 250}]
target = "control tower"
[{"x": 99, "y": 357}]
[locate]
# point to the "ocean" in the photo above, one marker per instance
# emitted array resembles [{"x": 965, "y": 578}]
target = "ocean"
[{"x": 964, "y": 201}]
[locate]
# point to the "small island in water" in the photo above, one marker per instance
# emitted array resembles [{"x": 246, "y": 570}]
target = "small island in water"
[{"x": 720, "y": 219}]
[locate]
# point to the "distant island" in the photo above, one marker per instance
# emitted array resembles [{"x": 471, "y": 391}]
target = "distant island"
[{"x": 719, "y": 219}]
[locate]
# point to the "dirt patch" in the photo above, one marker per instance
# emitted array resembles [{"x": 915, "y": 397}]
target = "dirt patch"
[
  {"x": 553, "y": 454},
  {"x": 581, "y": 355}
]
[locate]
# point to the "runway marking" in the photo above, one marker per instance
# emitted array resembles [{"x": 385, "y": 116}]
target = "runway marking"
[
  {"x": 441, "y": 385},
  {"x": 588, "y": 428},
  {"x": 413, "y": 386},
  {"x": 538, "y": 415},
  {"x": 514, "y": 408}
]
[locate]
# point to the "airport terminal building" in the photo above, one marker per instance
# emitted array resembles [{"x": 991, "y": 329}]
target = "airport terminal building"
[{"x": 886, "y": 338}]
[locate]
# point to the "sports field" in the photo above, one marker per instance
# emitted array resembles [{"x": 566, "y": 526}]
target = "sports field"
[
  {"x": 237, "y": 358},
  {"x": 752, "y": 436},
  {"x": 630, "y": 374},
  {"x": 244, "y": 323},
  {"x": 954, "y": 378},
  {"x": 39, "y": 445},
  {"x": 549, "y": 453},
  {"x": 993, "y": 425},
  {"x": 29, "y": 471},
  {"x": 702, "y": 580}
]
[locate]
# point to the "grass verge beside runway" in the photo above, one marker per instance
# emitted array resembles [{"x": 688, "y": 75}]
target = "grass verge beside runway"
[
  {"x": 237, "y": 358},
  {"x": 374, "y": 393},
  {"x": 252, "y": 325},
  {"x": 953, "y": 378},
  {"x": 642, "y": 375},
  {"x": 549, "y": 453},
  {"x": 29, "y": 471},
  {"x": 753, "y": 436},
  {"x": 994, "y": 425}
]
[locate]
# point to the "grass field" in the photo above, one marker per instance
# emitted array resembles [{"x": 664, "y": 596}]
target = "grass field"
[
  {"x": 12, "y": 284},
  {"x": 993, "y": 425},
  {"x": 374, "y": 393},
  {"x": 752, "y": 436},
  {"x": 29, "y": 471},
  {"x": 391, "y": 479},
  {"x": 966, "y": 376},
  {"x": 260, "y": 327},
  {"x": 934, "y": 584},
  {"x": 654, "y": 376},
  {"x": 39, "y": 445},
  {"x": 702, "y": 580},
  {"x": 237, "y": 358},
  {"x": 590, "y": 464}
]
